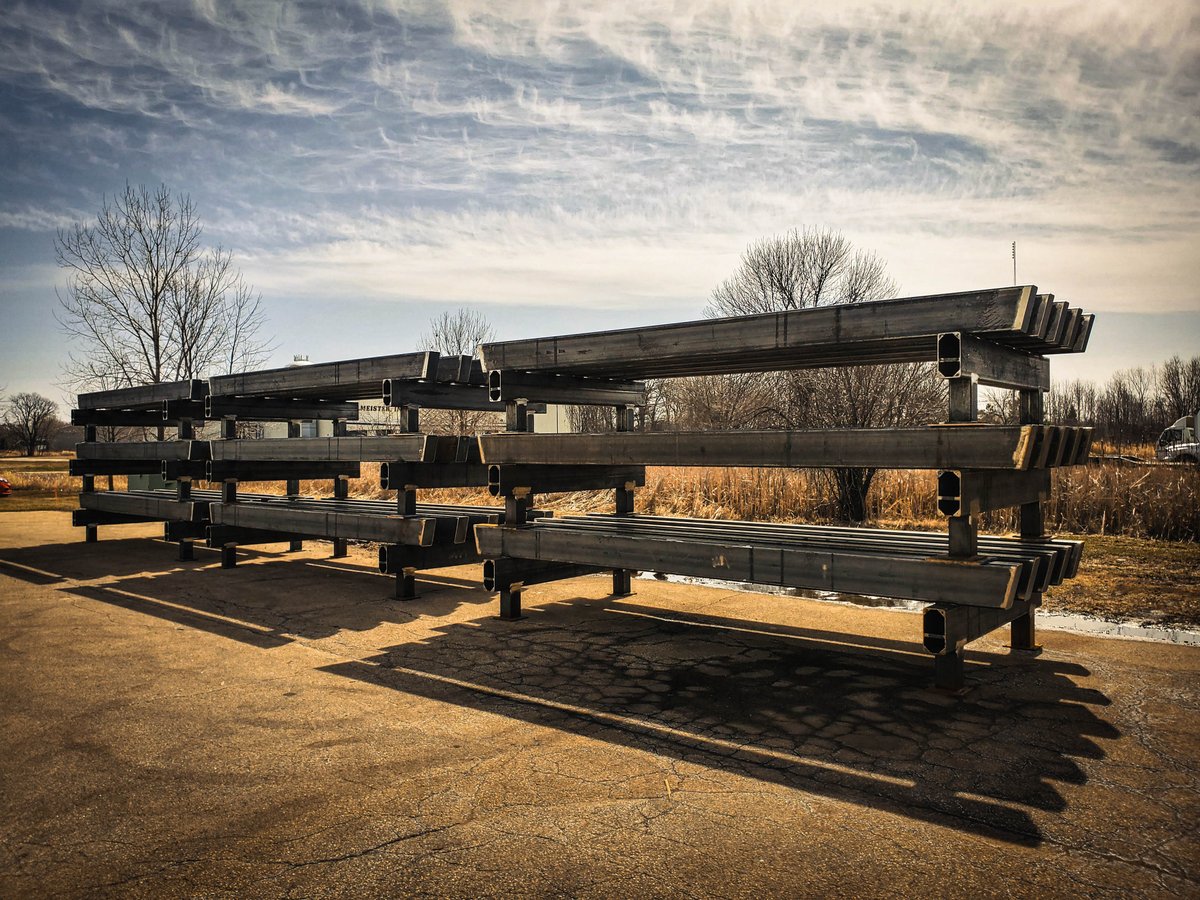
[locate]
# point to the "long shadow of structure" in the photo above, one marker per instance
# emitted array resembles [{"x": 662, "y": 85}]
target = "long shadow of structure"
[
  {"x": 845, "y": 716},
  {"x": 787, "y": 705},
  {"x": 256, "y": 605}
]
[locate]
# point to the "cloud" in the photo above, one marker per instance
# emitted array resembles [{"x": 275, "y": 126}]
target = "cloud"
[{"x": 618, "y": 150}]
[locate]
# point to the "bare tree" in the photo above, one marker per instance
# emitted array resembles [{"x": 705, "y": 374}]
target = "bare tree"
[
  {"x": 1179, "y": 386},
  {"x": 457, "y": 333},
  {"x": 146, "y": 302},
  {"x": 32, "y": 420},
  {"x": 814, "y": 267}
]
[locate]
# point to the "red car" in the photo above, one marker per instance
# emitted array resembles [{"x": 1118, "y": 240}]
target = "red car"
[{"x": 5, "y": 487}]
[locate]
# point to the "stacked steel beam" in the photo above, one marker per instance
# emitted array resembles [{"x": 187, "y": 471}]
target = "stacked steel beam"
[
  {"x": 998, "y": 338},
  {"x": 413, "y": 535}
]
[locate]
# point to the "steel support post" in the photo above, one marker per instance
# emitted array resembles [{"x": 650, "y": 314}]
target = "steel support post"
[
  {"x": 1023, "y": 631},
  {"x": 623, "y": 502},
  {"x": 229, "y": 428},
  {"x": 948, "y": 671},
  {"x": 964, "y": 537},
  {"x": 410, "y": 419},
  {"x": 510, "y": 602},
  {"x": 406, "y": 584},
  {"x": 516, "y": 416},
  {"x": 964, "y": 398},
  {"x": 91, "y": 534},
  {"x": 406, "y": 502},
  {"x": 341, "y": 491},
  {"x": 293, "y": 484},
  {"x": 228, "y": 556}
]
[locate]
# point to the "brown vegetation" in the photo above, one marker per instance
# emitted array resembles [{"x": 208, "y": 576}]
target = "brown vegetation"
[{"x": 1160, "y": 502}]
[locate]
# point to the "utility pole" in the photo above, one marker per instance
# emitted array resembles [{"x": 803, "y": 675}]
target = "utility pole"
[{"x": 1014, "y": 254}]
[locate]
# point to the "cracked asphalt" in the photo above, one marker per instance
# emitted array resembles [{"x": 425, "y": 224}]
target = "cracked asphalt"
[{"x": 286, "y": 729}]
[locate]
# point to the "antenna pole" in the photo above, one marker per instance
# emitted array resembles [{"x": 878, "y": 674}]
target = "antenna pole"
[{"x": 1014, "y": 255}]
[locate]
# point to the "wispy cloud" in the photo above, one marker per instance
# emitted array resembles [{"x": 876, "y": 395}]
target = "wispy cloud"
[{"x": 551, "y": 153}]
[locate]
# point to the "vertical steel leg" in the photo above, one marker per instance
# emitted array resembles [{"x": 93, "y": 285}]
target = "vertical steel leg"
[
  {"x": 510, "y": 603},
  {"x": 1023, "y": 634},
  {"x": 622, "y": 582},
  {"x": 406, "y": 585},
  {"x": 341, "y": 490},
  {"x": 948, "y": 671},
  {"x": 91, "y": 534},
  {"x": 228, "y": 556},
  {"x": 186, "y": 551}
]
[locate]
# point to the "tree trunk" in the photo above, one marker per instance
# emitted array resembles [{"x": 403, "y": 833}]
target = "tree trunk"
[{"x": 852, "y": 487}]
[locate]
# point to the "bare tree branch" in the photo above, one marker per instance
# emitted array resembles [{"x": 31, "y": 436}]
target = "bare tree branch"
[{"x": 145, "y": 302}]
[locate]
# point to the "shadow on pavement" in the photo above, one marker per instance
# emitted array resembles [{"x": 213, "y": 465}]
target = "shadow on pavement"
[
  {"x": 845, "y": 716},
  {"x": 252, "y": 601},
  {"x": 787, "y": 705}
]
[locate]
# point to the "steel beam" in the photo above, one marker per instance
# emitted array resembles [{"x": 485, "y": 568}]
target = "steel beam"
[
  {"x": 267, "y": 470},
  {"x": 985, "y": 583},
  {"x": 504, "y": 573},
  {"x": 273, "y": 409},
  {"x": 991, "y": 364},
  {"x": 113, "y": 467},
  {"x": 928, "y": 447},
  {"x": 396, "y": 559},
  {"x": 143, "y": 450},
  {"x": 149, "y": 396},
  {"x": 437, "y": 395},
  {"x": 131, "y": 418},
  {"x": 950, "y": 627},
  {"x": 399, "y": 476},
  {"x": 407, "y": 447},
  {"x": 506, "y": 480},
  {"x": 350, "y": 379},
  {"x": 887, "y": 331},
  {"x": 967, "y": 492},
  {"x": 295, "y": 519},
  {"x": 511, "y": 385},
  {"x": 145, "y": 505}
]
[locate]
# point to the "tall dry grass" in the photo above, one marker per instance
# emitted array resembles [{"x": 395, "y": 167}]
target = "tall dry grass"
[{"x": 1161, "y": 502}]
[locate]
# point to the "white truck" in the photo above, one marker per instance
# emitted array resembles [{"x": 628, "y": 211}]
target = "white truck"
[{"x": 1178, "y": 443}]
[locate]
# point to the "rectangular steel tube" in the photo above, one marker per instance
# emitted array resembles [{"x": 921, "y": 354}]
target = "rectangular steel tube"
[
  {"x": 979, "y": 584},
  {"x": 930, "y": 447}
]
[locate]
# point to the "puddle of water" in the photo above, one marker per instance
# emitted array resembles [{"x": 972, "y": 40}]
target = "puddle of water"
[{"x": 1054, "y": 621}]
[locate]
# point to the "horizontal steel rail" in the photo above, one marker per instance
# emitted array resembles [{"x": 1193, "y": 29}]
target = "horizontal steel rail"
[
  {"x": 151, "y": 450},
  {"x": 400, "y": 476},
  {"x": 271, "y": 409},
  {"x": 510, "y": 480},
  {"x": 407, "y": 447},
  {"x": 884, "y": 331},
  {"x": 511, "y": 385},
  {"x": 149, "y": 396},
  {"x": 149, "y": 505},
  {"x": 1040, "y": 564},
  {"x": 987, "y": 583},
  {"x": 967, "y": 492},
  {"x": 300, "y": 518},
  {"x": 272, "y": 470},
  {"x": 962, "y": 355},
  {"x": 438, "y": 395},
  {"x": 350, "y": 379},
  {"x": 1067, "y": 552},
  {"x": 929, "y": 447}
]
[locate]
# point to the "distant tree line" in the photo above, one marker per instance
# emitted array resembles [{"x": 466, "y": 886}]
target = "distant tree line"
[{"x": 1130, "y": 408}]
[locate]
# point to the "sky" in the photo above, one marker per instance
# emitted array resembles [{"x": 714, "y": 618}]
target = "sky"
[{"x": 572, "y": 166}]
